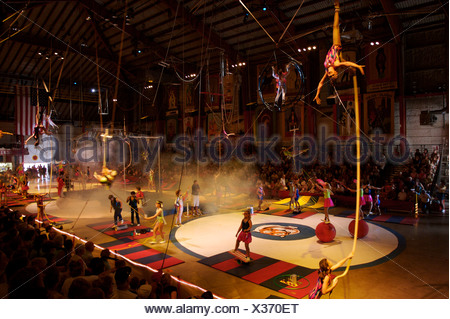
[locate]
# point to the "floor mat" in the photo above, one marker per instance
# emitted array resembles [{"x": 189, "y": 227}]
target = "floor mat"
[
  {"x": 131, "y": 249},
  {"x": 405, "y": 220},
  {"x": 280, "y": 276},
  {"x": 15, "y": 200},
  {"x": 130, "y": 232}
]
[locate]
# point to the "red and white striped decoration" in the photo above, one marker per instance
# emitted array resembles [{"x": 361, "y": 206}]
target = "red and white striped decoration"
[{"x": 25, "y": 112}]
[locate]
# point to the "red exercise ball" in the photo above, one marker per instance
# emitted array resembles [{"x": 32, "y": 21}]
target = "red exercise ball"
[
  {"x": 363, "y": 228},
  {"x": 325, "y": 232}
]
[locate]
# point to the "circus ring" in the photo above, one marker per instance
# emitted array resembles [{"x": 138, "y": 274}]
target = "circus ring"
[{"x": 206, "y": 236}]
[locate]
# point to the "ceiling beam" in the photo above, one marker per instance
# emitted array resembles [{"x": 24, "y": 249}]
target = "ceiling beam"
[
  {"x": 204, "y": 30},
  {"x": 107, "y": 46},
  {"x": 107, "y": 15},
  {"x": 391, "y": 15}
]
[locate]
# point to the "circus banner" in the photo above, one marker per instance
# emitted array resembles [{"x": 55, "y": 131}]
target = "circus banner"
[
  {"x": 171, "y": 100},
  {"x": 379, "y": 113},
  {"x": 381, "y": 67}
]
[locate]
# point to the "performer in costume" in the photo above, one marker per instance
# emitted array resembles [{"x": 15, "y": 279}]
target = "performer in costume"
[
  {"x": 60, "y": 182},
  {"x": 133, "y": 202},
  {"x": 328, "y": 202},
  {"x": 117, "y": 206},
  {"x": 243, "y": 234},
  {"x": 159, "y": 222},
  {"x": 178, "y": 207},
  {"x": 333, "y": 59},
  {"x": 281, "y": 78},
  {"x": 325, "y": 284},
  {"x": 141, "y": 200},
  {"x": 368, "y": 196},
  {"x": 3, "y": 192},
  {"x": 39, "y": 198},
  {"x": 107, "y": 176},
  {"x": 196, "y": 198},
  {"x": 362, "y": 201},
  {"x": 260, "y": 194}
]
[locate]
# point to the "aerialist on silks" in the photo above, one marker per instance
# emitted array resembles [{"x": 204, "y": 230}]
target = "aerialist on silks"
[{"x": 334, "y": 60}]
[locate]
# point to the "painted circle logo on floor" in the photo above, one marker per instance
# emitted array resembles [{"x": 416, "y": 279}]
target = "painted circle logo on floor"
[{"x": 282, "y": 231}]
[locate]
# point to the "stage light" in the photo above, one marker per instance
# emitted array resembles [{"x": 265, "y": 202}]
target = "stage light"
[
  {"x": 264, "y": 6},
  {"x": 377, "y": 43},
  {"x": 371, "y": 43},
  {"x": 114, "y": 100},
  {"x": 309, "y": 48},
  {"x": 93, "y": 90},
  {"x": 74, "y": 83},
  {"x": 314, "y": 47}
]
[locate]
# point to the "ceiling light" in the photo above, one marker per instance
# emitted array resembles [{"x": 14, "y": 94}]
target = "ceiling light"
[
  {"x": 93, "y": 90},
  {"x": 309, "y": 48},
  {"x": 371, "y": 43},
  {"x": 377, "y": 43},
  {"x": 314, "y": 47}
]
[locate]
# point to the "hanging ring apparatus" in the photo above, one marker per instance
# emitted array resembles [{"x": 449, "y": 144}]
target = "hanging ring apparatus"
[{"x": 283, "y": 99}]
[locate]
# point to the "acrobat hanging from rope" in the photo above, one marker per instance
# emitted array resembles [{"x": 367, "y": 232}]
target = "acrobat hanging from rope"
[
  {"x": 333, "y": 60},
  {"x": 39, "y": 127},
  {"x": 107, "y": 176},
  {"x": 281, "y": 78}
]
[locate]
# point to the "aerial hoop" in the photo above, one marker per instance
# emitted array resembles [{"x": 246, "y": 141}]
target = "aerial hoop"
[{"x": 266, "y": 77}]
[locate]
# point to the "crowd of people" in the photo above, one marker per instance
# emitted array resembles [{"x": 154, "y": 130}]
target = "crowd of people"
[{"x": 38, "y": 262}]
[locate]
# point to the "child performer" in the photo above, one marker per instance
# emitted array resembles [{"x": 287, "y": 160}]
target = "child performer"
[
  {"x": 39, "y": 198},
  {"x": 324, "y": 283},
  {"x": 362, "y": 201},
  {"x": 117, "y": 206},
  {"x": 328, "y": 202},
  {"x": 243, "y": 233},
  {"x": 133, "y": 202},
  {"x": 368, "y": 195},
  {"x": 281, "y": 78},
  {"x": 260, "y": 194},
  {"x": 291, "y": 195},
  {"x": 159, "y": 222},
  {"x": 333, "y": 58},
  {"x": 178, "y": 207},
  {"x": 141, "y": 200}
]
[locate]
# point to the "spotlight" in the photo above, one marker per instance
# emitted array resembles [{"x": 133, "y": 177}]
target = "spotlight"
[
  {"x": 299, "y": 50},
  {"x": 93, "y": 90},
  {"x": 304, "y": 49},
  {"x": 74, "y": 83},
  {"x": 377, "y": 43},
  {"x": 371, "y": 43},
  {"x": 309, "y": 48},
  {"x": 114, "y": 100},
  {"x": 314, "y": 47},
  {"x": 264, "y": 6}
]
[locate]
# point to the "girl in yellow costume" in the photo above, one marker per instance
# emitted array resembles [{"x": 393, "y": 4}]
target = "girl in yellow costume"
[{"x": 159, "y": 222}]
